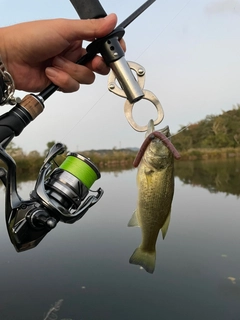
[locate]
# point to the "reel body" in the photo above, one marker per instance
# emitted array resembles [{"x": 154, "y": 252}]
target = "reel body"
[{"x": 59, "y": 194}]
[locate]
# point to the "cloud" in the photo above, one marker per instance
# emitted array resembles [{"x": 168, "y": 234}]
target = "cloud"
[{"x": 224, "y": 6}]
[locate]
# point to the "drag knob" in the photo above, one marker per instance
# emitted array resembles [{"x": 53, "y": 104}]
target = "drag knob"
[{"x": 40, "y": 219}]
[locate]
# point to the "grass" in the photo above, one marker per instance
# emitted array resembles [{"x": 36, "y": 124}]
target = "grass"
[{"x": 210, "y": 154}]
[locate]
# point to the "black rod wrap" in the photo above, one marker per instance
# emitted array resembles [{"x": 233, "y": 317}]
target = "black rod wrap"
[{"x": 89, "y": 9}]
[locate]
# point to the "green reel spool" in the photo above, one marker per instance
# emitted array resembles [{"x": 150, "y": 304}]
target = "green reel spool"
[{"x": 82, "y": 168}]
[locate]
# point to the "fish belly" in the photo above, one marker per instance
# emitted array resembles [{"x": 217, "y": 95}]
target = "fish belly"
[{"x": 154, "y": 205}]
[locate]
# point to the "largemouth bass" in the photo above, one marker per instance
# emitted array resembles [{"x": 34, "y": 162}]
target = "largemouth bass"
[{"x": 155, "y": 180}]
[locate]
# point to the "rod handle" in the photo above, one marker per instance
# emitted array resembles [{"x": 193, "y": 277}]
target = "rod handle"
[
  {"x": 89, "y": 9},
  {"x": 33, "y": 105}
]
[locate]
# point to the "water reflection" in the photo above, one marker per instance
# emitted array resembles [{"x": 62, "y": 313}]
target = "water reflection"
[
  {"x": 216, "y": 176},
  {"x": 86, "y": 264}
]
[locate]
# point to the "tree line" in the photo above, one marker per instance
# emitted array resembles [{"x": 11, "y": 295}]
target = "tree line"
[
  {"x": 30, "y": 164},
  {"x": 215, "y": 131}
]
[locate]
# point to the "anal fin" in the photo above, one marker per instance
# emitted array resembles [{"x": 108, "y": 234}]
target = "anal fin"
[
  {"x": 164, "y": 228},
  {"x": 133, "y": 222}
]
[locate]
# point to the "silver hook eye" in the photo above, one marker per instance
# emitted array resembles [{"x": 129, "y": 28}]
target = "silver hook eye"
[{"x": 128, "y": 111}]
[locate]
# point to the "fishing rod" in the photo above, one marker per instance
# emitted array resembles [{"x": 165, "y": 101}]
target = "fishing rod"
[{"x": 61, "y": 192}]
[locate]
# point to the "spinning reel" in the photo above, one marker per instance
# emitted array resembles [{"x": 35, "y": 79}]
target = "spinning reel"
[{"x": 59, "y": 195}]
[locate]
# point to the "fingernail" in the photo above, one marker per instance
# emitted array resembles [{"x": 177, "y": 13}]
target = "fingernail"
[{"x": 51, "y": 72}]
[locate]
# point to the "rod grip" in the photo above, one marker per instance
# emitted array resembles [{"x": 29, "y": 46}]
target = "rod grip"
[
  {"x": 89, "y": 9},
  {"x": 32, "y": 105}
]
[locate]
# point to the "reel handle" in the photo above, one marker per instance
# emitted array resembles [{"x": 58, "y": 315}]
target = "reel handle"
[{"x": 89, "y": 9}]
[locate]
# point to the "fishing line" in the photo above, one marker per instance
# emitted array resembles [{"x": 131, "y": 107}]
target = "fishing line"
[
  {"x": 166, "y": 26},
  {"x": 160, "y": 33},
  {"x": 144, "y": 51},
  {"x": 179, "y": 131},
  {"x": 80, "y": 169},
  {"x": 84, "y": 116}
]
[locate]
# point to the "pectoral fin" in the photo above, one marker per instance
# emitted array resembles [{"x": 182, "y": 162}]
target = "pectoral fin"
[
  {"x": 164, "y": 228},
  {"x": 133, "y": 222}
]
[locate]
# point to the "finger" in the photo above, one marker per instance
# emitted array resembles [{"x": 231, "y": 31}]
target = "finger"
[
  {"x": 123, "y": 44},
  {"x": 78, "y": 72},
  {"x": 98, "y": 65},
  {"x": 62, "y": 79},
  {"x": 88, "y": 29},
  {"x": 75, "y": 52},
  {"x": 68, "y": 75}
]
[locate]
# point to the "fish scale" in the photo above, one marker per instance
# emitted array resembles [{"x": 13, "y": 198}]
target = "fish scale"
[{"x": 155, "y": 180}]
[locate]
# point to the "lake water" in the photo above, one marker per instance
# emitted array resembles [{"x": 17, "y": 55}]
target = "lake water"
[{"x": 85, "y": 266}]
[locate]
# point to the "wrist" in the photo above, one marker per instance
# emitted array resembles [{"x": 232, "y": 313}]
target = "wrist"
[{"x": 7, "y": 86}]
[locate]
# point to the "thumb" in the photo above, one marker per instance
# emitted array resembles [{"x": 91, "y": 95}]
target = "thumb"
[{"x": 88, "y": 29}]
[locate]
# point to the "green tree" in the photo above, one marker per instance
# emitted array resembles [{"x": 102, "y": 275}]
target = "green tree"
[{"x": 217, "y": 131}]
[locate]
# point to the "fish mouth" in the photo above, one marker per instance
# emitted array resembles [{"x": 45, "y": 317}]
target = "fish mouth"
[
  {"x": 157, "y": 144},
  {"x": 157, "y": 147},
  {"x": 151, "y": 129}
]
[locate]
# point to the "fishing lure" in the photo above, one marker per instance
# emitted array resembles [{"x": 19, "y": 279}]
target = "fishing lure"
[{"x": 147, "y": 141}]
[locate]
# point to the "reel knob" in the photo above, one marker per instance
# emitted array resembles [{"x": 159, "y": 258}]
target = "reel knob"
[{"x": 40, "y": 219}]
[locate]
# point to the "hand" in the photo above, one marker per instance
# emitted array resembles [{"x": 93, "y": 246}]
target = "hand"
[{"x": 39, "y": 52}]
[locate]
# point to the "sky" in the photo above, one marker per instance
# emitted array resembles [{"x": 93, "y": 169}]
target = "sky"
[{"x": 189, "y": 48}]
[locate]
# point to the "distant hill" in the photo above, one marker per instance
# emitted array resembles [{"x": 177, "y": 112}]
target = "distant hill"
[{"x": 215, "y": 131}]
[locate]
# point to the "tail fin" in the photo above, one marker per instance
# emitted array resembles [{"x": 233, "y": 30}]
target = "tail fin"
[{"x": 144, "y": 259}]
